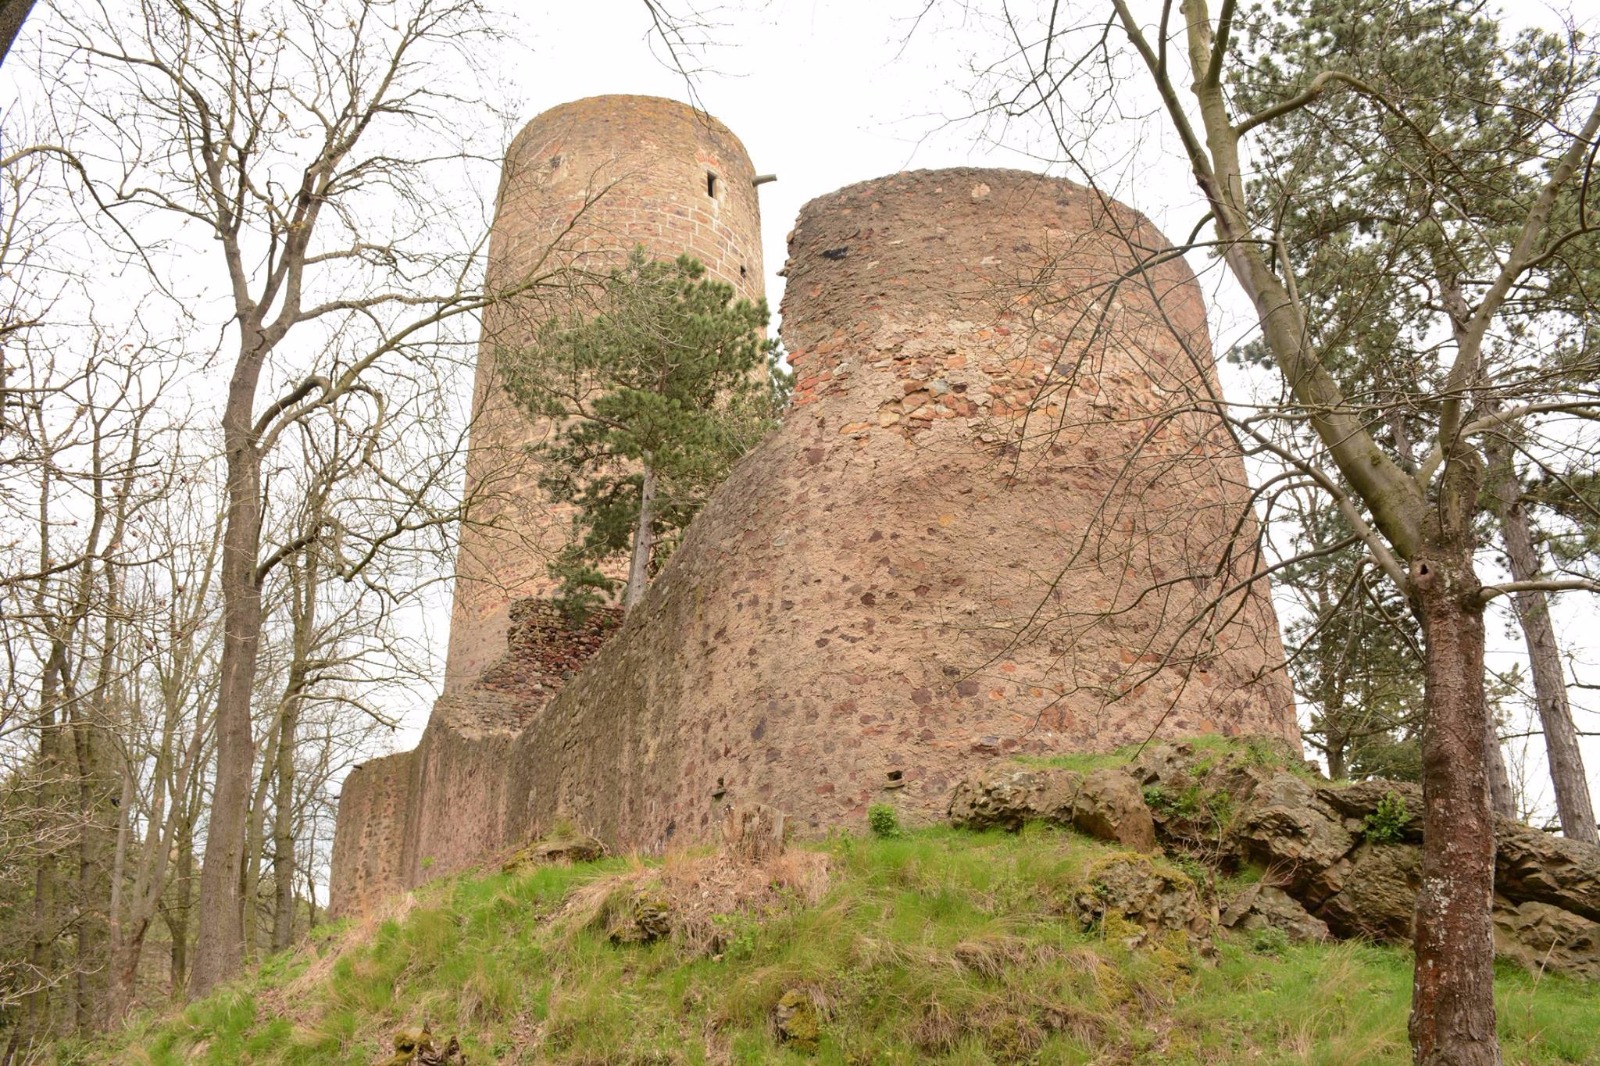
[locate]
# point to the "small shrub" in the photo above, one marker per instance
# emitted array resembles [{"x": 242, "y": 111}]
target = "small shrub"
[
  {"x": 1269, "y": 941},
  {"x": 736, "y": 935},
  {"x": 1220, "y": 804},
  {"x": 883, "y": 821},
  {"x": 1159, "y": 799},
  {"x": 1194, "y": 869},
  {"x": 1386, "y": 824}
]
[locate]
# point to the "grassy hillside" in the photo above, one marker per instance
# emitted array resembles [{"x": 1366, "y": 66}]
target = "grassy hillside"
[{"x": 941, "y": 946}]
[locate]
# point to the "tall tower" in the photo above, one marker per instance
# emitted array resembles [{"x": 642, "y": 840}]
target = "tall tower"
[{"x": 583, "y": 184}]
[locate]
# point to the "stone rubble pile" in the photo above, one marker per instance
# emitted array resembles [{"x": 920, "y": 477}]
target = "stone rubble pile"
[{"x": 545, "y": 648}]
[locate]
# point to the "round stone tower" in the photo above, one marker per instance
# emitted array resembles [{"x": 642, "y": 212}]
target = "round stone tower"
[
  {"x": 583, "y": 184},
  {"x": 1001, "y": 518}
]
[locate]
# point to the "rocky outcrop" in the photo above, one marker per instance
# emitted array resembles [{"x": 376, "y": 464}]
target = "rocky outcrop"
[
  {"x": 1136, "y": 898},
  {"x": 1260, "y": 907},
  {"x": 1333, "y": 860},
  {"x": 1106, "y": 804}
]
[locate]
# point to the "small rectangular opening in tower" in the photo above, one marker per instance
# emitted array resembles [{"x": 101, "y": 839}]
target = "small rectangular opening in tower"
[{"x": 711, "y": 183}]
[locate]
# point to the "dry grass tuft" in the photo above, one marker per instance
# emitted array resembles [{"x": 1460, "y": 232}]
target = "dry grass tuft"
[{"x": 693, "y": 896}]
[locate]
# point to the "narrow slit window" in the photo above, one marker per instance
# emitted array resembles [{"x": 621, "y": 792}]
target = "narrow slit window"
[{"x": 711, "y": 183}]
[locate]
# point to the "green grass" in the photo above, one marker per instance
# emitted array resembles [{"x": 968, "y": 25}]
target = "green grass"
[{"x": 938, "y": 946}]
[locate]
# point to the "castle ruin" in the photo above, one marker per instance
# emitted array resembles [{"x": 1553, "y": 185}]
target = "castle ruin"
[{"x": 1000, "y": 518}]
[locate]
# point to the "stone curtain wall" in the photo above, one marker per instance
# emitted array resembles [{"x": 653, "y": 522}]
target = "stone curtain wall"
[
  {"x": 996, "y": 521},
  {"x": 583, "y": 184},
  {"x": 370, "y": 834}
]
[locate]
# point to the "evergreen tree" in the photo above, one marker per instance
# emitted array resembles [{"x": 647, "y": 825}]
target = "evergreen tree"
[
  {"x": 1392, "y": 204},
  {"x": 656, "y": 394}
]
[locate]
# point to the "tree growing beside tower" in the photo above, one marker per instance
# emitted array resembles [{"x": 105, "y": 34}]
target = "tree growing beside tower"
[{"x": 657, "y": 389}]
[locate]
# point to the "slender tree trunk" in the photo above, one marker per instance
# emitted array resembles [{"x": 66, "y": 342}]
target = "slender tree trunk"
[
  {"x": 220, "y": 945},
  {"x": 1452, "y": 1012},
  {"x": 283, "y": 859},
  {"x": 1501, "y": 801},
  {"x": 13, "y": 13},
  {"x": 123, "y": 963},
  {"x": 311, "y": 899},
  {"x": 639, "y": 565},
  {"x": 47, "y": 904},
  {"x": 254, "y": 846},
  {"x": 1335, "y": 751},
  {"x": 304, "y": 582},
  {"x": 176, "y": 913},
  {"x": 1567, "y": 775},
  {"x": 96, "y": 854}
]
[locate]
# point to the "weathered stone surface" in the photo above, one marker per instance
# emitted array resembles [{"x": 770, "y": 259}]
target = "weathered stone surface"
[
  {"x": 559, "y": 850},
  {"x": 1531, "y": 865},
  {"x": 1378, "y": 894},
  {"x": 643, "y": 918},
  {"x": 1135, "y": 896},
  {"x": 545, "y": 649},
  {"x": 1541, "y": 937},
  {"x": 652, "y": 159},
  {"x": 838, "y": 621},
  {"x": 796, "y": 1020},
  {"x": 1006, "y": 798},
  {"x": 1262, "y": 906},
  {"x": 1310, "y": 838},
  {"x": 1357, "y": 800},
  {"x": 1290, "y": 829},
  {"x": 753, "y": 832},
  {"x": 1110, "y": 806},
  {"x": 1106, "y": 804}
]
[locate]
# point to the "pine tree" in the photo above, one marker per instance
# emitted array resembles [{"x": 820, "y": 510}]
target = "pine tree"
[{"x": 656, "y": 394}]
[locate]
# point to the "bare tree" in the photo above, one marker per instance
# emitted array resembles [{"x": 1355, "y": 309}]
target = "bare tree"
[{"x": 271, "y": 129}]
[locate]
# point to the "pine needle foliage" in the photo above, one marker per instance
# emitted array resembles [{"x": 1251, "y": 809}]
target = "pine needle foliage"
[{"x": 657, "y": 390}]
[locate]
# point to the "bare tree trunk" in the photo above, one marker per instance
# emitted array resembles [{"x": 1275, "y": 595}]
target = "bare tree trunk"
[
  {"x": 220, "y": 945},
  {"x": 639, "y": 565},
  {"x": 1335, "y": 750},
  {"x": 1501, "y": 801},
  {"x": 176, "y": 913},
  {"x": 311, "y": 898},
  {"x": 255, "y": 842},
  {"x": 283, "y": 860},
  {"x": 96, "y": 849},
  {"x": 1567, "y": 775},
  {"x": 1452, "y": 1006},
  {"x": 13, "y": 13},
  {"x": 47, "y": 875}
]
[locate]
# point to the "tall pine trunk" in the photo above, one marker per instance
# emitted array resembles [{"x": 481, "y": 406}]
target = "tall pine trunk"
[
  {"x": 639, "y": 564},
  {"x": 1567, "y": 774},
  {"x": 1452, "y": 1007}
]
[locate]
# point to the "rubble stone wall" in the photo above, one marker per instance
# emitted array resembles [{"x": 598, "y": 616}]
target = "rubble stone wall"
[
  {"x": 367, "y": 844},
  {"x": 998, "y": 519}
]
